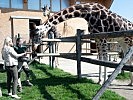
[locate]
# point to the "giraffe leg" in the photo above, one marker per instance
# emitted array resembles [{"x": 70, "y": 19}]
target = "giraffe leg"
[
  {"x": 125, "y": 48},
  {"x": 57, "y": 61},
  {"x": 131, "y": 74},
  {"x": 131, "y": 79},
  {"x": 100, "y": 75},
  {"x": 100, "y": 67},
  {"x": 105, "y": 58},
  {"x": 103, "y": 55}
]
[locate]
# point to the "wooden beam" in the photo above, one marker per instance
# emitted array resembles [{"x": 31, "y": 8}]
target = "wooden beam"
[
  {"x": 78, "y": 52},
  {"x": 61, "y": 54},
  {"x": 114, "y": 74},
  {"x": 71, "y": 54},
  {"x": 106, "y": 3},
  {"x": 115, "y": 34},
  {"x": 59, "y": 40},
  {"x": 71, "y": 2},
  {"x": 0, "y": 92},
  {"x": 25, "y": 1},
  {"x": 106, "y": 63},
  {"x": 99, "y": 62},
  {"x": 65, "y": 40}
]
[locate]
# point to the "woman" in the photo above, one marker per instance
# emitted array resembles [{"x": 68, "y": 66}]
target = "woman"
[{"x": 10, "y": 59}]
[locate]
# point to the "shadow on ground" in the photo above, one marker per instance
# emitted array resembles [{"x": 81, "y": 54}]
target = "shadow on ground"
[{"x": 53, "y": 80}]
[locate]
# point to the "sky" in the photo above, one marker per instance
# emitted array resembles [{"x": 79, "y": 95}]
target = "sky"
[{"x": 123, "y": 8}]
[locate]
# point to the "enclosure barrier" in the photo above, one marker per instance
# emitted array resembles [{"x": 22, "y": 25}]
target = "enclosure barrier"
[{"x": 77, "y": 56}]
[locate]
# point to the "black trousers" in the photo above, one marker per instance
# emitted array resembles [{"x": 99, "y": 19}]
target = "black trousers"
[
  {"x": 26, "y": 70},
  {"x": 12, "y": 74}
]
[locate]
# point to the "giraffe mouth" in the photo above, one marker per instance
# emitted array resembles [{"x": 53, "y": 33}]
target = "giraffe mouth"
[{"x": 44, "y": 14}]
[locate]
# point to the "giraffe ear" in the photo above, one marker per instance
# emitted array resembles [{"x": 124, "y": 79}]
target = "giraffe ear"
[
  {"x": 49, "y": 8},
  {"x": 43, "y": 8}
]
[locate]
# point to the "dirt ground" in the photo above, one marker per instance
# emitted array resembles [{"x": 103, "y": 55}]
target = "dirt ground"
[
  {"x": 122, "y": 88},
  {"x": 92, "y": 71}
]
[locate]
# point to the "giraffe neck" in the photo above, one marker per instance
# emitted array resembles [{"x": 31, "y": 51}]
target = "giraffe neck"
[{"x": 98, "y": 17}]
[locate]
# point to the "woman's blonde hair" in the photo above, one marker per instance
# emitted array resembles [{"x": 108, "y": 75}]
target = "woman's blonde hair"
[{"x": 6, "y": 43}]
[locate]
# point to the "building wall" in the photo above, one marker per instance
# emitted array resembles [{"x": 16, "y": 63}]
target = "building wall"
[
  {"x": 12, "y": 26},
  {"x": 69, "y": 29},
  {"x": 17, "y": 21},
  {"x": 22, "y": 29}
]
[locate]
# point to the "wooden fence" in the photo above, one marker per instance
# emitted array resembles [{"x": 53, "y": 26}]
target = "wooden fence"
[{"x": 79, "y": 39}]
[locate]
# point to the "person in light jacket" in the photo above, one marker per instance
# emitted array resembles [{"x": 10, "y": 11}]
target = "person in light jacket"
[{"x": 10, "y": 58}]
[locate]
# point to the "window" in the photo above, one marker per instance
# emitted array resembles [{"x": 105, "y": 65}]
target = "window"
[
  {"x": 5, "y": 3},
  {"x": 64, "y": 4},
  {"x": 33, "y": 4},
  {"x": 45, "y": 2},
  {"x": 77, "y": 2},
  {"x": 55, "y": 5},
  {"x": 17, "y": 4}
]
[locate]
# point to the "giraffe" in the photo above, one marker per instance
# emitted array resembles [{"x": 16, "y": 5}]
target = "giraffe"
[
  {"x": 46, "y": 11},
  {"x": 99, "y": 19}
]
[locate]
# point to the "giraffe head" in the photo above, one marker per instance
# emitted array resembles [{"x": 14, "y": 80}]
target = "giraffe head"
[
  {"x": 46, "y": 11},
  {"x": 43, "y": 29}
]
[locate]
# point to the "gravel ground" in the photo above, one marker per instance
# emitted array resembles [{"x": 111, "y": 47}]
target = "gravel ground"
[{"x": 91, "y": 71}]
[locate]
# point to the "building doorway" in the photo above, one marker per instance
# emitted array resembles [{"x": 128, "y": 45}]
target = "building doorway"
[
  {"x": 36, "y": 21},
  {"x": 93, "y": 47},
  {"x": 32, "y": 24}
]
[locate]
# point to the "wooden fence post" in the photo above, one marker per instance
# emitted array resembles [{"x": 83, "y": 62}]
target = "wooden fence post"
[
  {"x": 114, "y": 74},
  {"x": 53, "y": 51},
  {"x": 78, "y": 52},
  {"x": 0, "y": 92},
  {"x": 50, "y": 50}
]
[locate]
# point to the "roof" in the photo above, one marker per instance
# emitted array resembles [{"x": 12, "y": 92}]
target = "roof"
[{"x": 106, "y": 3}]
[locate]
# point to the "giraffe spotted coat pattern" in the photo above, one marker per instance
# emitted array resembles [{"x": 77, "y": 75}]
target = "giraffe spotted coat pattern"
[{"x": 99, "y": 18}]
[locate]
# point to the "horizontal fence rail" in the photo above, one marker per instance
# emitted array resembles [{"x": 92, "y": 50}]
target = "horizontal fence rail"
[
  {"x": 70, "y": 54},
  {"x": 94, "y": 35},
  {"x": 79, "y": 38},
  {"x": 115, "y": 34},
  {"x": 60, "y": 54},
  {"x": 66, "y": 40},
  {"x": 102, "y": 63},
  {"x": 108, "y": 34},
  {"x": 59, "y": 40}
]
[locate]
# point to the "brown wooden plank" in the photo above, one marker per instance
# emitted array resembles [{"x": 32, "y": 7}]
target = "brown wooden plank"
[
  {"x": 78, "y": 53},
  {"x": 114, "y": 74}
]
